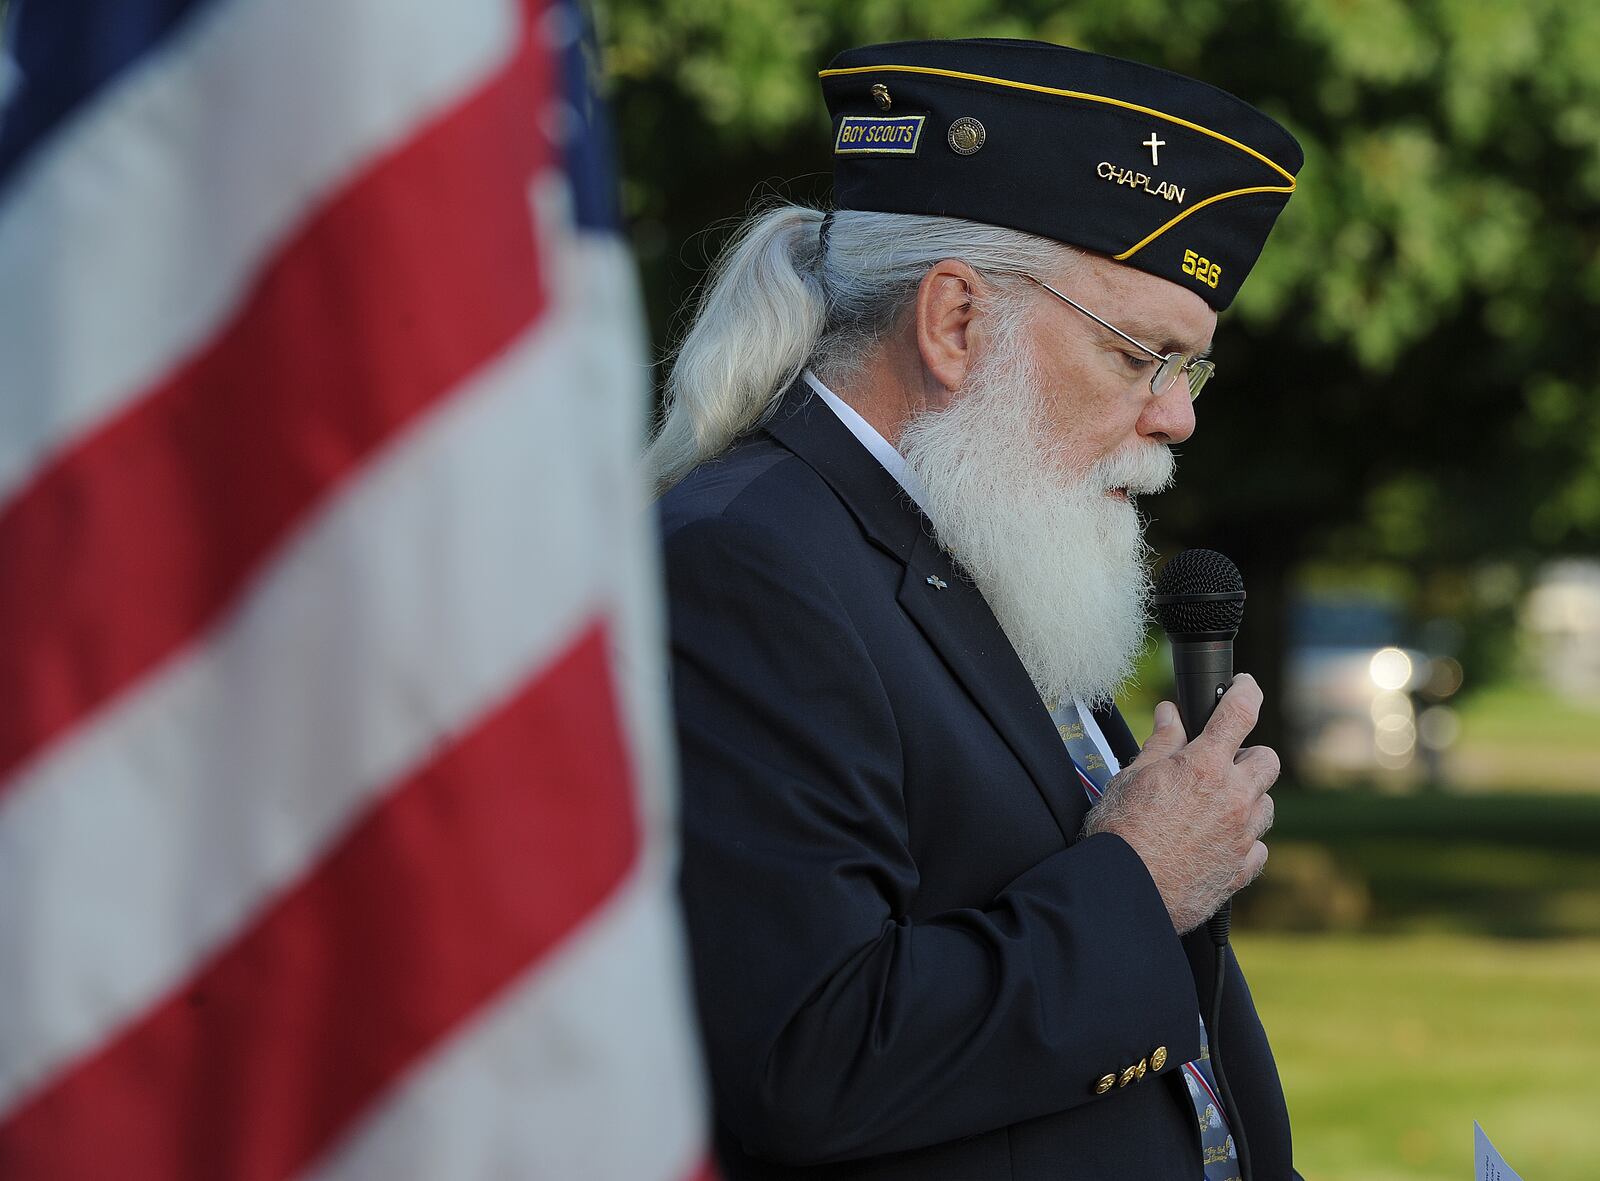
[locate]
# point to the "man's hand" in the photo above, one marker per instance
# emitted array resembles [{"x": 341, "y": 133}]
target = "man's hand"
[{"x": 1195, "y": 813}]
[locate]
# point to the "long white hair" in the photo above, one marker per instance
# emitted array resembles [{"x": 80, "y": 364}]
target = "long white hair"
[{"x": 780, "y": 298}]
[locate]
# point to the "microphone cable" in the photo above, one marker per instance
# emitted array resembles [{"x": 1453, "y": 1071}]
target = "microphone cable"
[{"x": 1218, "y": 926}]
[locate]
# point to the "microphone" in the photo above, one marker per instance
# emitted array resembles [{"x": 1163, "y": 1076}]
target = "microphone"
[{"x": 1199, "y": 602}]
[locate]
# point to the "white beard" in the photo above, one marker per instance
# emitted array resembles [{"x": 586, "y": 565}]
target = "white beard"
[{"x": 1063, "y": 566}]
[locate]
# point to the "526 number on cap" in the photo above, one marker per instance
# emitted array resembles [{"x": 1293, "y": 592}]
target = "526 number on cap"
[{"x": 1208, "y": 272}]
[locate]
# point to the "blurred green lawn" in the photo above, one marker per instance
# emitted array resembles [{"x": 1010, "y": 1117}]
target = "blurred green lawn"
[
  {"x": 1390, "y": 1046},
  {"x": 1517, "y": 714},
  {"x": 1464, "y": 982}
]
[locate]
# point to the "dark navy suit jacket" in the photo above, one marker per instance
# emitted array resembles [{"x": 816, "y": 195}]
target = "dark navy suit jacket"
[{"x": 908, "y": 964}]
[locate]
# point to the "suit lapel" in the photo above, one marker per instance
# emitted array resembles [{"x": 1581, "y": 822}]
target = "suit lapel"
[
  {"x": 959, "y": 624},
  {"x": 950, "y": 611}
]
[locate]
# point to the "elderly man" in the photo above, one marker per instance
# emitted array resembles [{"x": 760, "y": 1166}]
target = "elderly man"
[{"x": 937, "y": 932}]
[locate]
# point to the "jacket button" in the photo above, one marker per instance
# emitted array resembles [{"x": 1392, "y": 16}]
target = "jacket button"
[
  {"x": 1138, "y": 1071},
  {"x": 1105, "y": 1084},
  {"x": 1125, "y": 1077},
  {"x": 1159, "y": 1058}
]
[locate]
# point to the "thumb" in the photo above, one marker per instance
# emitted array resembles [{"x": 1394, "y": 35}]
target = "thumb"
[{"x": 1167, "y": 739}]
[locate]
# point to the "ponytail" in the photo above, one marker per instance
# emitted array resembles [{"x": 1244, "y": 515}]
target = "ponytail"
[{"x": 758, "y": 321}]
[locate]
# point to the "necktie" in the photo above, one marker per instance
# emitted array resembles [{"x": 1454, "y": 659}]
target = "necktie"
[{"x": 1221, "y": 1161}]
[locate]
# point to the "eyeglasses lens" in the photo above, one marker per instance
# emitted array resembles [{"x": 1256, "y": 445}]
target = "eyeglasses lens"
[{"x": 1174, "y": 367}]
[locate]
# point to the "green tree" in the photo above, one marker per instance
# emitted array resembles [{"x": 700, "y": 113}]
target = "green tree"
[{"x": 1410, "y": 374}]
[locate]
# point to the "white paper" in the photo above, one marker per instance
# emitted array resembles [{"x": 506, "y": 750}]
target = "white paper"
[{"x": 1490, "y": 1165}]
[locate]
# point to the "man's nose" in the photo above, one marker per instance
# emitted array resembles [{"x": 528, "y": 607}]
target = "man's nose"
[{"x": 1169, "y": 418}]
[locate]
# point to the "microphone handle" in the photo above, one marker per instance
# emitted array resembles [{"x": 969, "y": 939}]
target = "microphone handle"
[{"x": 1202, "y": 671}]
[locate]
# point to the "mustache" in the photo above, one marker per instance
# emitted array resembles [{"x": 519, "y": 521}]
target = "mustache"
[{"x": 1142, "y": 470}]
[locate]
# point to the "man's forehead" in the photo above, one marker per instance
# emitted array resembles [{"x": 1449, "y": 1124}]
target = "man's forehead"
[
  {"x": 1153, "y": 311},
  {"x": 1164, "y": 337}
]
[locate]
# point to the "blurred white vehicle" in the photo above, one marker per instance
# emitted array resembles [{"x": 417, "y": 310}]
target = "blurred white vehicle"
[
  {"x": 1359, "y": 703},
  {"x": 1562, "y": 619}
]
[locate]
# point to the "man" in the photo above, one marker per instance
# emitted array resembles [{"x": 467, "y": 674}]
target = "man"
[{"x": 905, "y": 576}]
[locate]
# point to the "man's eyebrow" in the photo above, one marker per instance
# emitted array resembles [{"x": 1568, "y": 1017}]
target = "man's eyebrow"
[{"x": 1148, "y": 333}]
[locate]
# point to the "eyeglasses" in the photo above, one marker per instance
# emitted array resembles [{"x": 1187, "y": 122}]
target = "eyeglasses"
[{"x": 1173, "y": 365}]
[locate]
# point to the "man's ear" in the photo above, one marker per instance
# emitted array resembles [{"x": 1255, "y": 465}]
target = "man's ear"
[{"x": 943, "y": 315}]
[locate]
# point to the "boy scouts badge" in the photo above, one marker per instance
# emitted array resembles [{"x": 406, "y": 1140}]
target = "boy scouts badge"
[{"x": 872, "y": 135}]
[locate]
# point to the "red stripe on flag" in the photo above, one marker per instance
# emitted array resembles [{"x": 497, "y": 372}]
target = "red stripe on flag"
[
  {"x": 135, "y": 538},
  {"x": 469, "y": 872}
]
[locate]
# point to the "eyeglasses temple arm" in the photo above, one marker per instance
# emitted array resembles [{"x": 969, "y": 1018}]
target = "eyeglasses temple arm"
[{"x": 1146, "y": 349}]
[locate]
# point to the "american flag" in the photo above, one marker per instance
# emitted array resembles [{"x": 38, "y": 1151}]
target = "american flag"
[{"x": 332, "y": 800}]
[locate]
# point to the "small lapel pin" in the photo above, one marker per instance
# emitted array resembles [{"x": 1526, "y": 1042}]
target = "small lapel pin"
[{"x": 936, "y": 582}]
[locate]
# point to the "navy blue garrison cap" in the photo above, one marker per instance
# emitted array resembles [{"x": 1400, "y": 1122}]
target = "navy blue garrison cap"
[{"x": 1155, "y": 170}]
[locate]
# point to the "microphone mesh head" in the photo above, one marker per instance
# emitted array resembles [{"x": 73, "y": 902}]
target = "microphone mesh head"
[{"x": 1193, "y": 573}]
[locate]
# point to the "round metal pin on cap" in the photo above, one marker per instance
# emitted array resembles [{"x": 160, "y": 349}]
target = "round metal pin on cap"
[{"x": 966, "y": 136}]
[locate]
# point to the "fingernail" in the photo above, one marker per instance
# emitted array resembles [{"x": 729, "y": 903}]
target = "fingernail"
[{"x": 1166, "y": 713}]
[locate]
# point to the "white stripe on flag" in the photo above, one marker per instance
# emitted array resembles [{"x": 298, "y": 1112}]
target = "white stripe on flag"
[
  {"x": 145, "y": 220},
  {"x": 393, "y": 621},
  {"x": 593, "y": 277}
]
